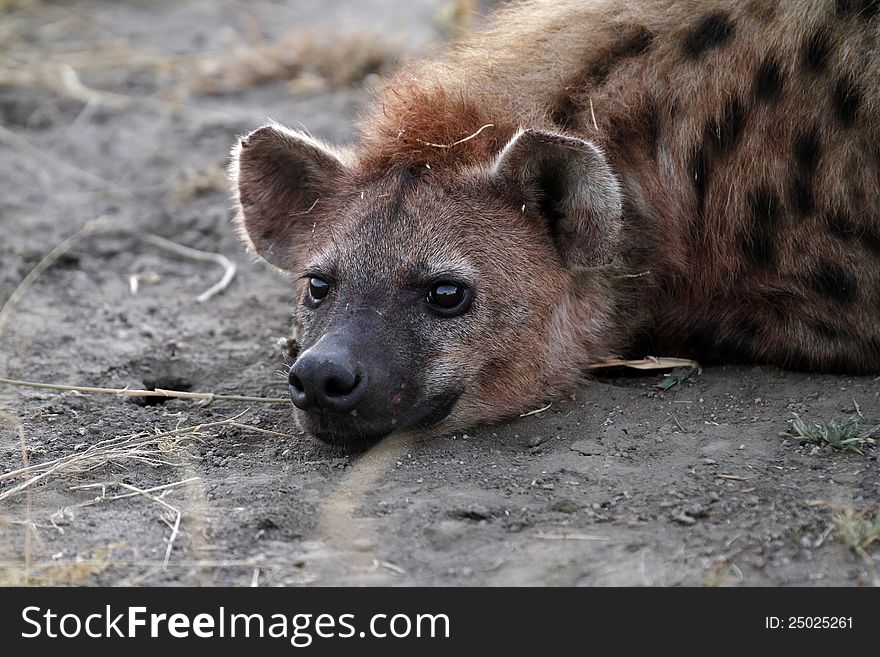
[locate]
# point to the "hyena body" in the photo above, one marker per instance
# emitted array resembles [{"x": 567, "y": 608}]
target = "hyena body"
[{"x": 583, "y": 180}]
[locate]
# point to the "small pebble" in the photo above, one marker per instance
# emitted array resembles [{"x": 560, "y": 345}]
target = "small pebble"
[
  {"x": 472, "y": 512},
  {"x": 565, "y": 506},
  {"x": 684, "y": 519},
  {"x": 534, "y": 441}
]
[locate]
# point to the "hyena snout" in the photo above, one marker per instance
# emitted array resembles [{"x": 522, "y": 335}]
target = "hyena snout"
[{"x": 327, "y": 379}]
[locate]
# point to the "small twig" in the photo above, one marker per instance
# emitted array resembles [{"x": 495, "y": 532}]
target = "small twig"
[
  {"x": 175, "y": 529},
  {"x": 537, "y": 410},
  {"x": 593, "y": 114},
  {"x": 89, "y": 229},
  {"x": 857, "y": 408},
  {"x": 110, "y": 484},
  {"x": 206, "y": 397},
  {"x": 174, "y": 532},
  {"x": 570, "y": 537},
  {"x": 134, "y": 281},
  {"x": 29, "y": 524},
  {"x": 822, "y": 538},
  {"x": 678, "y": 424},
  {"x": 205, "y": 256},
  {"x": 28, "y": 544},
  {"x": 460, "y": 141},
  {"x": 76, "y": 89},
  {"x": 394, "y": 568}
]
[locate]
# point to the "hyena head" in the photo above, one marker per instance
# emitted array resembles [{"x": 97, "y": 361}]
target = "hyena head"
[{"x": 425, "y": 298}]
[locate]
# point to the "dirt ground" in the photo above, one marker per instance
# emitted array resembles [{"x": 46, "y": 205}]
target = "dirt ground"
[{"x": 124, "y": 113}]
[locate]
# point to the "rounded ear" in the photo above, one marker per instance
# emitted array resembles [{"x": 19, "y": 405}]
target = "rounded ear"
[
  {"x": 568, "y": 184},
  {"x": 279, "y": 176}
]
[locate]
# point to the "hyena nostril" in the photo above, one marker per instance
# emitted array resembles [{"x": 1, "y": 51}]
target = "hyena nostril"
[
  {"x": 342, "y": 391},
  {"x": 294, "y": 381},
  {"x": 337, "y": 387},
  {"x": 299, "y": 394}
]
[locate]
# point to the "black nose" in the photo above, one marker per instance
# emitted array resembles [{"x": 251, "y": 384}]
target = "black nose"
[{"x": 328, "y": 380}]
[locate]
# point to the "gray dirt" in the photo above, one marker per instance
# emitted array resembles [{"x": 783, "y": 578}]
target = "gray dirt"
[{"x": 621, "y": 484}]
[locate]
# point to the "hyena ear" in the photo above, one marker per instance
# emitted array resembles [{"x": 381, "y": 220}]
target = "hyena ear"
[
  {"x": 279, "y": 176},
  {"x": 567, "y": 183}
]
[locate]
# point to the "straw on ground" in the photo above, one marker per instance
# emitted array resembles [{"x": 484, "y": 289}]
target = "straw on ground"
[
  {"x": 145, "y": 447},
  {"x": 204, "y": 397},
  {"x": 229, "y": 267}
]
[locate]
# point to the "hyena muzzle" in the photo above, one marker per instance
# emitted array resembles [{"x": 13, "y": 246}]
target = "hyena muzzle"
[{"x": 581, "y": 180}]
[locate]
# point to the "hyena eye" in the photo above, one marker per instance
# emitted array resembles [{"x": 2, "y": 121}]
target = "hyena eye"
[
  {"x": 449, "y": 299},
  {"x": 318, "y": 288}
]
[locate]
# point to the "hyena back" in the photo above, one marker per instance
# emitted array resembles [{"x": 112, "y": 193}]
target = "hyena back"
[{"x": 580, "y": 181}]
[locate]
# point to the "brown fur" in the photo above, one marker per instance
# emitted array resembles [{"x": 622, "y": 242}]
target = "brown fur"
[
  {"x": 746, "y": 142},
  {"x": 631, "y": 62}
]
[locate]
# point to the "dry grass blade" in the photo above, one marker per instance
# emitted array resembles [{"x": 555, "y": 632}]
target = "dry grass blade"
[
  {"x": 732, "y": 477},
  {"x": 205, "y": 397},
  {"x": 89, "y": 229},
  {"x": 150, "y": 448},
  {"x": 103, "y": 485},
  {"x": 29, "y": 523},
  {"x": 394, "y": 568},
  {"x": 646, "y": 363},
  {"x": 229, "y": 268},
  {"x": 570, "y": 537},
  {"x": 76, "y": 89},
  {"x": 537, "y": 410},
  {"x": 148, "y": 493},
  {"x": 175, "y": 527},
  {"x": 189, "y": 563},
  {"x": 460, "y": 141}
]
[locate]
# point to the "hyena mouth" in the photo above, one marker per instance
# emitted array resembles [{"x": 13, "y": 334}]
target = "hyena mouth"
[
  {"x": 350, "y": 437},
  {"x": 356, "y": 430},
  {"x": 442, "y": 407}
]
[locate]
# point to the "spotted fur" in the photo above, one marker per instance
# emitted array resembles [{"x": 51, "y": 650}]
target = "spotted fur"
[{"x": 742, "y": 137}]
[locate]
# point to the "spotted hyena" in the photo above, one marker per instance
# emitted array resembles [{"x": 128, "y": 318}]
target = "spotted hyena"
[{"x": 579, "y": 181}]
